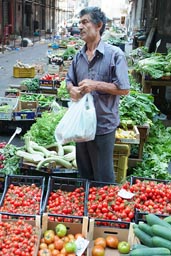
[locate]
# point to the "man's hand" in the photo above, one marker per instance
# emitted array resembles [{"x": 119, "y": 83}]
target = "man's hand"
[
  {"x": 87, "y": 85},
  {"x": 75, "y": 93}
]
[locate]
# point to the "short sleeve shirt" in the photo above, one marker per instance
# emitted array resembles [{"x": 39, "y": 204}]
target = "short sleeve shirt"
[{"x": 108, "y": 65}]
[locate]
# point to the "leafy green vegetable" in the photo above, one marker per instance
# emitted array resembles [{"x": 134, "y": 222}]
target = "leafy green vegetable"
[
  {"x": 42, "y": 131},
  {"x": 62, "y": 91},
  {"x": 138, "y": 107},
  {"x": 31, "y": 84},
  {"x": 157, "y": 153},
  {"x": 11, "y": 162}
]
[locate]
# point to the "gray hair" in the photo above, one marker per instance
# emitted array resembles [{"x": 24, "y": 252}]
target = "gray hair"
[{"x": 97, "y": 16}]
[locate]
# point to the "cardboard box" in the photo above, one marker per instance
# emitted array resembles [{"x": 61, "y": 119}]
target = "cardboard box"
[
  {"x": 121, "y": 233},
  {"x": 26, "y": 110},
  {"x": 12, "y": 103},
  {"x": 72, "y": 228}
]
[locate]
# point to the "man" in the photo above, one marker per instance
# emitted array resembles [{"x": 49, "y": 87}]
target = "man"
[{"x": 100, "y": 69}]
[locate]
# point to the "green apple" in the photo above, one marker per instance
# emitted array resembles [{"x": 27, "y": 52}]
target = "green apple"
[
  {"x": 61, "y": 230},
  {"x": 124, "y": 247}
]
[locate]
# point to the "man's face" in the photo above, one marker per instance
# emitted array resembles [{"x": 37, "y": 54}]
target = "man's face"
[{"x": 88, "y": 30}]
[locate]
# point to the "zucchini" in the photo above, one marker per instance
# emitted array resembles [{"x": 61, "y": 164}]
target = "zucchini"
[
  {"x": 159, "y": 241},
  {"x": 146, "y": 228},
  {"x": 60, "y": 161},
  {"x": 36, "y": 147},
  {"x": 154, "y": 219},
  {"x": 150, "y": 251},
  {"x": 29, "y": 147},
  {"x": 69, "y": 153},
  {"x": 33, "y": 158},
  {"x": 144, "y": 238},
  {"x": 161, "y": 231}
]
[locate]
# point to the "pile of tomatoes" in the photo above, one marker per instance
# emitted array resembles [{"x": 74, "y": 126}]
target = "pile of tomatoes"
[
  {"x": 66, "y": 203},
  {"x": 22, "y": 199},
  {"x": 104, "y": 203},
  {"x": 17, "y": 238},
  {"x": 149, "y": 196},
  {"x": 58, "y": 242},
  {"x": 152, "y": 196}
]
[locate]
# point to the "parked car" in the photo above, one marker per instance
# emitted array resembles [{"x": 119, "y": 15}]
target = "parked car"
[{"x": 75, "y": 29}]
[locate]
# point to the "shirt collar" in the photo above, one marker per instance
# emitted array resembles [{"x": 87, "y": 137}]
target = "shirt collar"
[{"x": 100, "y": 48}]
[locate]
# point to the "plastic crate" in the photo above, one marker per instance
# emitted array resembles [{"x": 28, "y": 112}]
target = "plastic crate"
[
  {"x": 23, "y": 180},
  {"x": 49, "y": 83},
  {"x": 24, "y": 72},
  {"x": 30, "y": 169},
  {"x": 26, "y": 110},
  {"x": 12, "y": 102},
  {"x": 2, "y": 183},
  {"x": 66, "y": 185},
  {"x": 120, "y": 159},
  {"x": 134, "y": 178},
  {"x": 98, "y": 189},
  {"x": 140, "y": 216}
]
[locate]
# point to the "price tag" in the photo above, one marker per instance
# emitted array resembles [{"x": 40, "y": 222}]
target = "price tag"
[
  {"x": 125, "y": 194},
  {"x": 82, "y": 245}
]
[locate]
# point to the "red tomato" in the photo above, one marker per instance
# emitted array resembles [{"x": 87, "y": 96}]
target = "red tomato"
[
  {"x": 100, "y": 241},
  {"x": 98, "y": 250},
  {"x": 112, "y": 241}
]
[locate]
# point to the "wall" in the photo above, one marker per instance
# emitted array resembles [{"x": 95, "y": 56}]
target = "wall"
[{"x": 164, "y": 24}]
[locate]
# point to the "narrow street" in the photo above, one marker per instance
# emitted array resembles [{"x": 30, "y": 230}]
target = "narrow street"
[{"x": 36, "y": 54}]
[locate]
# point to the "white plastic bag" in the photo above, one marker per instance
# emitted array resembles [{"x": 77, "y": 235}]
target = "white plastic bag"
[{"x": 79, "y": 122}]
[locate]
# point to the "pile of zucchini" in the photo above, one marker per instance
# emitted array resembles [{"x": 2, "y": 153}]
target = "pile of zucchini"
[
  {"x": 154, "y": 235},
  {"x": 63, "y": 156}
]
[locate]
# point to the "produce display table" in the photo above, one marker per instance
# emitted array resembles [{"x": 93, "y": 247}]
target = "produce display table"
[{"x": 147, "y": 84}]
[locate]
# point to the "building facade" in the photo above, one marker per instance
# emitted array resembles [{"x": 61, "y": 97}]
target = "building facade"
[{"x": 26, "y": 17}]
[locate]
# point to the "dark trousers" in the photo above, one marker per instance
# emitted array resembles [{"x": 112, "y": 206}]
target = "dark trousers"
[{"x": 95, "y": 158}]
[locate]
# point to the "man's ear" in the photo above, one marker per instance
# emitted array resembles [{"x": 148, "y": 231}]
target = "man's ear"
[{"x": 99, "y": 25}]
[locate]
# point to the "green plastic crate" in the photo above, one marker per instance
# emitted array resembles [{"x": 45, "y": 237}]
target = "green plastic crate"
[{"x": 120, "y": 159}]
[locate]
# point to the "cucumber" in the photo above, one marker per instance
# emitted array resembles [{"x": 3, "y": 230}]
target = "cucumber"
[
  {"x": 144, "y": 238},
  {"x": 159, "y": 241},
  {"x": 167, "y": 219},
  {"x": 135, "y": 225},
  {"x": 150, "y": 251},
  {"x": 146, "y": 228},
  {"x": 161, "y": 231},
  {"x": 154, "y": 219},
  {"x": 138, "y": 246}
]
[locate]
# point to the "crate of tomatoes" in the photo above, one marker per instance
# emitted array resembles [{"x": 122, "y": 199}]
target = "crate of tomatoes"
[
  {"x": 151, "y": 196},
  {"x": 49, "y": 80},
  {"x": 22, "y": 196},
  {"x": 19, "y": 236},
  {"x": 65, "y": 198},
  {"x": 106, "y": 206}
]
